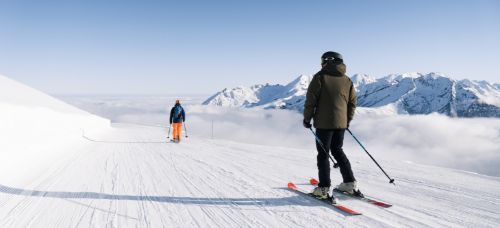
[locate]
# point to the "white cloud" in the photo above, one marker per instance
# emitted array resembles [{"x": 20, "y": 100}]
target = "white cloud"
[
  {"x": 467, "y": 144},
  {"x": 471, "y": 144}
]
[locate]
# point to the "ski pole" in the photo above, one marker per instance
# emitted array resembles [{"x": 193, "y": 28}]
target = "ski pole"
[
  {"x": 390, "y": 179},
  {"x": 169, "y": 131},
  {"x": 335, "y": 165},
  {"x": 185, "y": 129}
]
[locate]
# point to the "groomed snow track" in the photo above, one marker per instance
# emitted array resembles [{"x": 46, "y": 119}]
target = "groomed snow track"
[{"x": 128, "y": 177}]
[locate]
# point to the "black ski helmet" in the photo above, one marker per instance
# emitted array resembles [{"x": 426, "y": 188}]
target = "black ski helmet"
[{"x": 331, "y": 56}]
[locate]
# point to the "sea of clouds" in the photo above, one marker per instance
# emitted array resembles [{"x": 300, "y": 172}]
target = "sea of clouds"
[{"x": 465, "y": 144}]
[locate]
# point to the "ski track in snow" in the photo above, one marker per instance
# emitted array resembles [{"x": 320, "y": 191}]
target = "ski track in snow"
[{"x": 127, "y": 178}]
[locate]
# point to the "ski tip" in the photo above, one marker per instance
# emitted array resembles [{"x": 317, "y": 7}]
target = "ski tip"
[
  {"x": 292, "y": 185},
  {"x": 381, "y": 204},
  {"x": 347, "y": 210},
  {"x": 313, "y": 181}
]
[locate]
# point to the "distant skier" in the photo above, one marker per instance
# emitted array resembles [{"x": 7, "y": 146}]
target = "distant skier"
[
  {"x": 330, "y": 102},
  {"x": 177, "y": 117}
]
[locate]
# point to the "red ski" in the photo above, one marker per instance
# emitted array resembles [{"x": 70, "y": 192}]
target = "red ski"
[
  {"x": 339, "y": 207},
  {"x": 315, "y": 182}
]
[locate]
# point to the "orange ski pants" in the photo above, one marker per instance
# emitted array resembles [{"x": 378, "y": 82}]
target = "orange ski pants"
[{"x": 177, "y": 130}]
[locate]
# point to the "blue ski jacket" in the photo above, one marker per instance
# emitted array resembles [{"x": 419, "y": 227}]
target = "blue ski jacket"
[{"x": 177, "y": 114}]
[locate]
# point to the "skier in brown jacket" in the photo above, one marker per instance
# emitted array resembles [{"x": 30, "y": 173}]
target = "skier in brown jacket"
[{"x": 330, "y": 102}]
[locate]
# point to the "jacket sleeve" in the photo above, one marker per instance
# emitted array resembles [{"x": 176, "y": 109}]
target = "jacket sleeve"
[
  {"x": 183, "y": 116},
  {"x": 312, "y": 96},
  {"x": 351, "y": 105},
  {"x": 171, "y": 115}
]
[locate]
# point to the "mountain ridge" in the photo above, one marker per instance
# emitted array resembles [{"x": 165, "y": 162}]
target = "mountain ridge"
[{"x": 407, "y": 93}]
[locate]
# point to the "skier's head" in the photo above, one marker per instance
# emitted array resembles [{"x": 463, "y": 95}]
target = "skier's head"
[
  {"x": 177, "y": 102},
  {"x": 331, "y": 58}
]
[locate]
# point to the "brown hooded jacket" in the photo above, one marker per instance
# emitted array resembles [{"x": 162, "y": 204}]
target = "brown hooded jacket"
[{"x": 330, "y": 99}]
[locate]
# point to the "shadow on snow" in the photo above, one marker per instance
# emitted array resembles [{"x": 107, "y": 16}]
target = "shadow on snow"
[{"x": 284, "y": 201}]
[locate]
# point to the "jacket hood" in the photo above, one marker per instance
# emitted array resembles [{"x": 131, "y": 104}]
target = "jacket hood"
[{"x": 334, "y": 69}]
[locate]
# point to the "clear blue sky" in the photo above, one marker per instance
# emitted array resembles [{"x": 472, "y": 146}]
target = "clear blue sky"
[{"x": 170, "y": 47}]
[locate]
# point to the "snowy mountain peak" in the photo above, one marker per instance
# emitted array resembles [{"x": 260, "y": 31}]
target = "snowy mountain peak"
[
  {"x": 301, "y": 80},
  {"x": 417, "y": 93},
  {"x": 300, "y": 84},
  {"x": 436, "y": 75},
  {"x": 358, "y": 79},
  {"x": 289, "y": 96},
  {"x": 407, "y": 93},
  {"x": 399, "y": 77}
]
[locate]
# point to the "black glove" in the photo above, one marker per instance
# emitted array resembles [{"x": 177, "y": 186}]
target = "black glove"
[{"x": 306, "y": 124}]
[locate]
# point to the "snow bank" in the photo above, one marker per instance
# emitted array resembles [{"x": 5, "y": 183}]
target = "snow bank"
[{"x": 36, "y": 130}]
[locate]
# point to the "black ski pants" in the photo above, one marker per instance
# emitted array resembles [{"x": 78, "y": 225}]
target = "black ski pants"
[{"x": 332, "y": 139}]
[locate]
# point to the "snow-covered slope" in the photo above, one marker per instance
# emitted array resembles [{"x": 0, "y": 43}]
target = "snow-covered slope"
[
  {"x": 129, "y": 178},
  {"x": 34, "y": 127},
  {"x": 410, "y": 93}
]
